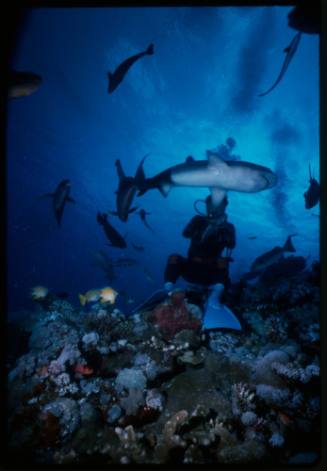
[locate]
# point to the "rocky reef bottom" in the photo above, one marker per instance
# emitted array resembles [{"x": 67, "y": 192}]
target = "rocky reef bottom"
[{"x": 94, "y": 387}]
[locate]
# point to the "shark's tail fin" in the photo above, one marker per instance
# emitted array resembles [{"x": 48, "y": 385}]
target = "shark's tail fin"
[
  {"x": 150, "y": 49},
  {"x": 288, "y": 246}
]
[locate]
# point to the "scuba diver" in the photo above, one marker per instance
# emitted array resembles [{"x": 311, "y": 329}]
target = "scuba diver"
[
  {"x": 205, "y": 268},
  {"x": 210, "y": 234}
]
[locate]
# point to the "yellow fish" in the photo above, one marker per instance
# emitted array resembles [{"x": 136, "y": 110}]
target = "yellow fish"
[
  {"x": 108, "y": 295},
  {"x": 39, "y": 292},
  {"x": 90, "y": 296}
]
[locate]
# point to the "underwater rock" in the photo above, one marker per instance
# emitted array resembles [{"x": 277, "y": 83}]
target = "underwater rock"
[
  {"x": 154, "y": 399},
  {"x": 132, "y": 401},
  {"x": 92, "y": 386},
  {"x": 130, "y": 378},
  {"x": 201, "y": 389},
  {"x": 222, "y": 342},
  {"x": 263, "y": 372},
  {"x": 147, "y": 365},
  {"x": 276, "y": 440},
  {"x": 191, "y": 358},
  {"x": 114, "y": 413},
  {"x": 25, "y": 367},
  {"x": 89, "y": 414},
  {"x": 67, "y": 411},
  {"x": 187, "y": 336},
  {"x": 64, "y": 386},
  {"x": 248, "y": 418},
  {"x": 69, "y": 355},
  {"x": 90, "y": 340},
  {"x": 271, "y": 395},
  {"x": 251, "y": 451}
]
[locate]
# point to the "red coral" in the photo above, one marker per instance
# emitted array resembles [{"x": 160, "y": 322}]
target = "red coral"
[{"x": 174, "y": 317}]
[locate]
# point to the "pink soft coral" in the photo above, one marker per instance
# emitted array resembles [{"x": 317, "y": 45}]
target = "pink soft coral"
[{"x": 174, "y": 316}]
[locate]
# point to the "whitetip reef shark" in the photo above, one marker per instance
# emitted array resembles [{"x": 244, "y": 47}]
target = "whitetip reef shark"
[{"x": 218, "y": 175}]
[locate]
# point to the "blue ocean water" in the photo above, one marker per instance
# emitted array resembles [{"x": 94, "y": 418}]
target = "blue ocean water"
[{"x": 200, "y": 87}]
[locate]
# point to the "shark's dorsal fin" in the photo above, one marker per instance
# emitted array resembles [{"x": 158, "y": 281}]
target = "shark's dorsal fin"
[
  {"x": 189, "y": 159},
  {"x": 215, "y": 161}
]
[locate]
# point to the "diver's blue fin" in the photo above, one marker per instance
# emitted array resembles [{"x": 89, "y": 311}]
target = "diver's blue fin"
[{"x": 217, "y": 315}]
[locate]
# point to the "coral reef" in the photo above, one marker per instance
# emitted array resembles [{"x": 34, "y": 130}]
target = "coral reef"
[{"x": 151, "y": 388}]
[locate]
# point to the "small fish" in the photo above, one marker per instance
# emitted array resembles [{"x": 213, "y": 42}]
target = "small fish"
[
  {"x": 118, "y": 75},
  {"x": 252, "y": 237},
  {"x": 315, "y": 215},
  {"x": 312, "y": 195},
  {"x": 290, "y": 51},
  {"x": 115, "y": 239},
  {"x": 108, "y": 295},
  {"x": 285, "y": 419},
  {"x": 143, "y": 215},
  {"x": 22, "y": 84},
  {"x": 59, "y": 199},
  {"x": 91, "y": 296},
  {"x": 139, "y": 248},
  {"x": 62, "y": 295},
  {"x": 83, "y": 369},
  {"x": 39, "y": 293}
]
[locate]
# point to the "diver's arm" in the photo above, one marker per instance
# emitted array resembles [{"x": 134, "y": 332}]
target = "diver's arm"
[{"x": 192, "y": 226}]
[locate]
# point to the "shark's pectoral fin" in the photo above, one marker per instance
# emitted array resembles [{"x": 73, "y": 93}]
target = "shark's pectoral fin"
[
  {"x": 217, "y": 195},
  {"x": 70, "y": 199},
  {"x": 47, "y": 195},
  {"x": 132, "y": 210},
  {"x": 165, "y": 188}
]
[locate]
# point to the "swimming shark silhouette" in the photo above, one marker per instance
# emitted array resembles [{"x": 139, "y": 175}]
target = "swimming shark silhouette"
[
  {"x": 218, "y": 175},
  {"x": 290, "y": 51},
  {"x": 59, "y": 198},
  {"x": 117, "y": 76},
  {"x": 126, "y": 190}
]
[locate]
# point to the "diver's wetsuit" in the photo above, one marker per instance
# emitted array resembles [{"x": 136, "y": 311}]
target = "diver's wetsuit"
[{"x": 204, "y": 264}]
